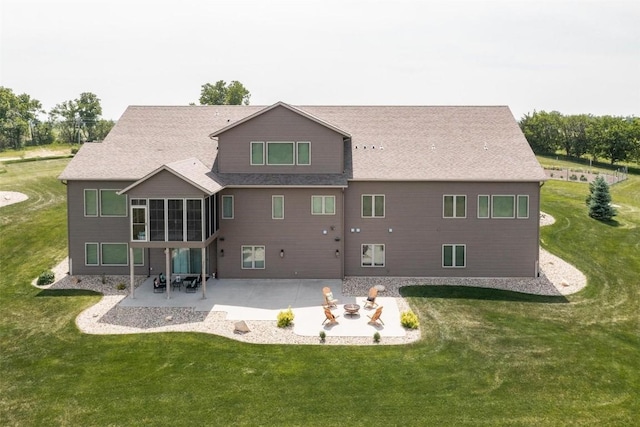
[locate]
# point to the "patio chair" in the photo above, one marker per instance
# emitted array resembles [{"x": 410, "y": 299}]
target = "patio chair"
[
  {"x": 162, "y": 278},
  {"x": 370, "y": 302},
  {"x": 329, "y": 300},
  {"x": 376, "y": 317},
  {"x": 329, "y": 317},
  {"x": 157, "y": 287}
]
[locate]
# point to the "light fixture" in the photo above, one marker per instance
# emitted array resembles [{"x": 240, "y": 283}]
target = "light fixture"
[
  {"x": 281, "y": 253},
  {"x": 337, "y": 253},
  {"x": 221, "y": 252}
]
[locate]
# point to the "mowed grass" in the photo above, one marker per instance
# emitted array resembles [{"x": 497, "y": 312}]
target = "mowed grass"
[{"x": 486, "y": 358}]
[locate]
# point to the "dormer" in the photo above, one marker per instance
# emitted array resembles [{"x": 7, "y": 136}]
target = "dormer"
[{"x": 280, "y": 139}]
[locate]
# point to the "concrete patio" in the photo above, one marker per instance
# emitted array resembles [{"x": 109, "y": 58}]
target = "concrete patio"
[{"x": 263, "y": 299}]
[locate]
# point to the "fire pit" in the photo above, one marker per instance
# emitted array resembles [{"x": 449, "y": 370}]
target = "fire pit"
[{"x": 351, "y": 309}]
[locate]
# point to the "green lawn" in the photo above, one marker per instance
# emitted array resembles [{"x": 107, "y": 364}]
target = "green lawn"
[{"x": 487, "y": 357}]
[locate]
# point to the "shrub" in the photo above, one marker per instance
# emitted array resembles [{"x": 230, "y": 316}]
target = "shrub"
[
  {"x": 573, "y": 177},
  {"x": 323, "y": 336},
  {"x": 74, "y": 150},
  {"x": 409, "y": 320},
  {"x": 121, "y": 286},
  {"x": 376, "y": 337},
  {"x": 583, "y": 178},
  {"x": 46, "y": 278},
  {"x": 285, "y": 318}
]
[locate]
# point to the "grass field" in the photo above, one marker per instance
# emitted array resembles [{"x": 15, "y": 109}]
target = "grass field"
[{"x": 487, "y": 357}]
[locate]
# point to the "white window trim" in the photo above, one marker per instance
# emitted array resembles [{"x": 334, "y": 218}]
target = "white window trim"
[
  {"x": 146, "y": 223},
  {"x": 253, "y": 249},
  {"x": 273, "y": 198},
  {"x": 455, "y": 204},
  {"x": 233, "y": 207},
  {"x": 526, "y": 196},
  {"x": 297, "y": 151},
  {"x": 488, "y": 206},
  {"x": 324, "y": 210},
  {"x": 514, "y": 206},
  {"x": 293, "y": 157},
  {"x": 373, "y": 205},
  {"x": 126, "y": 202},
  {"x": 453, "y": 259},
  {"x": 251, "y": 153},
  {"x": 97, "y": 253},
  {"x": 114, "y": 243},
  {"x": 373, "y": 257},
  {"x": 84, "y": 206}
]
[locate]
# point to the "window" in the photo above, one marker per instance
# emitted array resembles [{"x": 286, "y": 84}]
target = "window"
[
  {"x": 138, "y": 220},
  {"x": 372, "y": 255},
  {"x": 280, "y": 153},
  {"x": 227, "y": 207},
  {"x": 454, "y": 206},
  {"x": 112, "y": 204},
  {"x": 523, "y": 206},
  {"x": 257, "y": 153},
  {"x": 303, "y": 153},
  {"x": 372, "y": 206},
  {"x": 277, "y": 207},
  {"x": 454, "y": 256},
  {"x": 138, "y": 256},
  {"x": 175, "y": 223},
  {"x": 253, "y": 257},
  {"x": 114, "y": 254},
  {"x": 323, "y": 205},
  {"x": 186, "y": 261},
  {"x": 194, "y": 220},
  {"x": 90, "y": 202},
  {"x": 91, "y": 254},
  {"x": 502, "y": 206},
  {"x": 156, "y": 220},
  {"x": 483, "y": 206}
]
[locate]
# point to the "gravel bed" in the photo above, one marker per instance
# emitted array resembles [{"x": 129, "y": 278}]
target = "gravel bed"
[{"x": 107, "y": 317}]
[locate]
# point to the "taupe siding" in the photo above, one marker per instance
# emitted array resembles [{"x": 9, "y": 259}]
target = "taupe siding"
[
  {"x": 414, "y": 213},
  {"x": 308, "y": 252},
  {"x": 280, "y": 124},
  {"x": 165, "y": 185}
]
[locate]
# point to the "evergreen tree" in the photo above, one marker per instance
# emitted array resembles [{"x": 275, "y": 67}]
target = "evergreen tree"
[{"x": 599, "y": 200}]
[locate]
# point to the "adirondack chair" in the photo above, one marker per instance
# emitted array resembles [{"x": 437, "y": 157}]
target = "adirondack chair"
[
  {"x": 329, "y": 300},
  {"x": 370, "y": 302},
  {"x": 329, "y": 317},
  {"x": 376, "y": 317}
]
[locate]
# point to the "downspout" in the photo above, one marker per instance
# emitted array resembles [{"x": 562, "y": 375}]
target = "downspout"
[
  {"x": 133, "y": 289},
  {"x": 344, "y": 236},
  {"x": 537, "y": 265}
]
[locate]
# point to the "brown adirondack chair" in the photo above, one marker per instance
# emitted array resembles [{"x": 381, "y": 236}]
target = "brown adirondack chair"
[
  {"x": 329, "y": 316},
  {"x": 376, "y": 317},
  {"x": 329, "y": 300},
  {"x": 370, "y": 302}
]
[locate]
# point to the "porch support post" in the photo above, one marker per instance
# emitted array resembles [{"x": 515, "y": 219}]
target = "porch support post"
[
  {"x": 167, "y": 255},
  {"x": 133, "y": 288},
  {"x": 204, "y": 273}
]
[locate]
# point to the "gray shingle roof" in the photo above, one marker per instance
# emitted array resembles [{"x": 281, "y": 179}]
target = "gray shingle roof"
[{"x": 388, "y": 143}]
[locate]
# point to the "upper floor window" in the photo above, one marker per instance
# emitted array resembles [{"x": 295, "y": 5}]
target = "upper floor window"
[
  {"x": 523, "y": 206},
  {"x": 454, "y": 206},
  {"x": 277, "y": 207},
  {"x": 227, "y": 207},
  {"x": 139, "y": 219},
  {"x": 483, "y": 206},
  {"x": 281, "y": 153},
  {"x": 90, "y": 202},
  {"x": 373, "y": 205},
  {"x": 112, "y": 203},
  {"x": 503, "y": 206},
  {"x": 323, "y": 205}
]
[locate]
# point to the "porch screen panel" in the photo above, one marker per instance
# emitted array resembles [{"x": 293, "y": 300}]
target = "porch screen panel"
[
  {"x": 194, "y": 220},
  {"x": 156, "y": 220},
  {"x": 176, "y": 220}
]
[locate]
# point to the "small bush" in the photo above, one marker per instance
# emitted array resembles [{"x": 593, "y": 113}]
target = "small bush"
[
  {"x": 376, "y": 337},
  {"x": 323, "y": 336},
  {"x": 583, "y": 178},
  {"x": 285, "y": 318},
  {"x": 74, "y": 150},
  {"x": 46, "y": 278},
  {"x": 573, "y": 177},
  {"x": 409, "y": 320},
  {"x": 121, "y": 286}
]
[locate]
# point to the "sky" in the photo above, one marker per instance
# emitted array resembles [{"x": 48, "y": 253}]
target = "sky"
[{"x": 569, "y": 56}]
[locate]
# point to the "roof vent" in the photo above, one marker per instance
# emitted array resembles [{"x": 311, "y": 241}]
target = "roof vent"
[
  {"x": 433, "y": 146},
  {"x": 485, "y": 146}
]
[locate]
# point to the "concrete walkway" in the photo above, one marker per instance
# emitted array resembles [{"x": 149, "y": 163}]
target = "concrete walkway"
[{"x": 263, "y": 299}]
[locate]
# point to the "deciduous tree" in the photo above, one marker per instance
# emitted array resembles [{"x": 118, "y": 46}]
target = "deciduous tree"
[{"x": 222, "y": 94}]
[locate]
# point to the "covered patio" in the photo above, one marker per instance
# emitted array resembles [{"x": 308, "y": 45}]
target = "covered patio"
[{"x": 263, "y": 299}]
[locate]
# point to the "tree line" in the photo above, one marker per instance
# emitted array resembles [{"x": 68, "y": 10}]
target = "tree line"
[
  {"x": 616, "y": 139},
  {"x": 23, "y": 121}
]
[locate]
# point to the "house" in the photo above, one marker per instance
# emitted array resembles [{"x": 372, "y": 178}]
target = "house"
[{"x": 307, "y": 192}]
